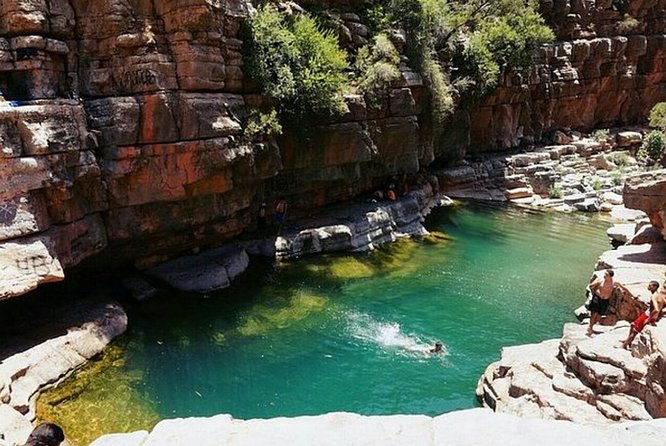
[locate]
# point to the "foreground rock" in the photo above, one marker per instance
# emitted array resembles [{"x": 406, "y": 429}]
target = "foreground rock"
[
  {"x": 44, "y": 357},
  {"x": 581, "y": 379},
  {"x": 464, "y": 428}
]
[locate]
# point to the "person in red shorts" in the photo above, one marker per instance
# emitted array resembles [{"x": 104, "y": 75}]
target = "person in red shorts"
[{"x": 649, "y": 316}]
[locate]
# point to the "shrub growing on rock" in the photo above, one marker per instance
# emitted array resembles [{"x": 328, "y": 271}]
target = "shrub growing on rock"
[
  {"x": 555, "y": 191},
  {"x": 654, "y": 145},
  {"x": 377, "y": 67},
  {"x": 658, "y": 116},
  {"x": 297, "y": 64}
]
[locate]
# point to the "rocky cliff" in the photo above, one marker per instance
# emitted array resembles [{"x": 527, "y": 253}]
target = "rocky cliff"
[
  {"x": 125, "y": 138},
  {"x": 592, "y": 380}
]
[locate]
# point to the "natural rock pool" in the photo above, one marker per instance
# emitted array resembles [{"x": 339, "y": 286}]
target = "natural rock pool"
[{"x": 343, "y": 333}]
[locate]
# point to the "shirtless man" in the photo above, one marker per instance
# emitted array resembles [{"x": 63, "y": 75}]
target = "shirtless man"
[
  {"x": 602, "y": 289},
  {"x": 649, "y": 316}
]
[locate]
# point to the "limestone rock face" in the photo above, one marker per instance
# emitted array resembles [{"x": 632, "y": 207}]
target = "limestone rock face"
[
  {"x": 585, "y": 380},
  {"x": 49, "y": 209},
  {"x": 464, "y": 428},
  {"x": 647, "y": 192}
]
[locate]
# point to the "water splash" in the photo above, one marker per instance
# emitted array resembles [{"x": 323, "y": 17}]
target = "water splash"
[{"x": 388, "y": 336}]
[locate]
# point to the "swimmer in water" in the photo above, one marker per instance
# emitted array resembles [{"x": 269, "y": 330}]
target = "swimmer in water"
[{"x": 437, "y": 348}]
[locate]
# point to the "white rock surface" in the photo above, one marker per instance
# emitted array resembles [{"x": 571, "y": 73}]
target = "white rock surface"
[
  {"x": 463, "y": 428},
  {"x": 28, "y": 371}
]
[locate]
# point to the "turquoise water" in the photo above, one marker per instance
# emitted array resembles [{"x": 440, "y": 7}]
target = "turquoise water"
[{"x": 348, "y": 333}]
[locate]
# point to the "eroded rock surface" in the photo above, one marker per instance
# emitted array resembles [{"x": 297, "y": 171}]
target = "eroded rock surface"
[
  {"x": 581, "y": 379},
  {"x": 647, "y": 192},
  {"x": 46, "y": 355}
]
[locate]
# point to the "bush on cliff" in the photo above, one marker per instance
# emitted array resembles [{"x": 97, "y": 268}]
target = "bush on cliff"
[
  {"x": 658, "y": 116},
  {"x": 297, "y": 64},
  {"x": 377, "y": 67},
  {"x": 654, "y": 145},
  {"x": 479, "y": 39}
]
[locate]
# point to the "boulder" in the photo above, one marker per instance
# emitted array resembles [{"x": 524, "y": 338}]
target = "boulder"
[
  {"x": 621, "y": 233},
  {"x": 588, "y": 205},
  {"x": 205, "y": 272},
  {"x": 88, "y": 329},
  {"x": 628, "y": 139}
]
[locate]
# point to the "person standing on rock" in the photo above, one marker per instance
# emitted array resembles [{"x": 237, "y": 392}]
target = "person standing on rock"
[
  {"x": 649, "y": 316},
  {"x": 280, "y": 213},
  {"x": 602, "y": 288}
]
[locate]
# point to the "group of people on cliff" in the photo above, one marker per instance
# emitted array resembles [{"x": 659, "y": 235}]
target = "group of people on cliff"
[{"x": 601, "y": 290}]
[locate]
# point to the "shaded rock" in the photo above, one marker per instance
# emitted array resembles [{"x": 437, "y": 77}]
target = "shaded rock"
[
  {"x": 628, "y": 139},
  {"x": 88, "y": 331},
  {"x": 647, "y": 234},
  {"x": 588, "y": 205},
  {"x": 647, "y": 192},
  {"x": 139, "y": 288},
  {"x": 202, "y": 273}
]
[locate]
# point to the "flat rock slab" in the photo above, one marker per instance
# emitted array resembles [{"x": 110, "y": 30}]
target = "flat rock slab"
[
  {"x": 462, "y": 428},
  {"x": 205, "y": 272},
  {"x": 83, "y": 333}
]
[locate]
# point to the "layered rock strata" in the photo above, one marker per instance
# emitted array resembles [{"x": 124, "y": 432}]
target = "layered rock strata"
[
  {"x": 463, "y": 428},
  {"x": 581, "y": 379},
  {"x": 583, "y": 174}
]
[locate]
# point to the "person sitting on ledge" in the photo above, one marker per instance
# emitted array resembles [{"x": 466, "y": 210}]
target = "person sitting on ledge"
[
  {"x": 649, "y": 316},
  {"x": 46, "y": 434}
]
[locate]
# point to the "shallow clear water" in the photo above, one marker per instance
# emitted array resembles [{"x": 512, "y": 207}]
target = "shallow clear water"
[{"x": 346, "y": 333}]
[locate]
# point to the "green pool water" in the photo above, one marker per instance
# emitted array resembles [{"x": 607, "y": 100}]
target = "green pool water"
[{"x": 344, "y": 333}]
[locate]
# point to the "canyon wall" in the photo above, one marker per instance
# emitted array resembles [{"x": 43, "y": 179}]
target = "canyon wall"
[{"x": 124, "y": 141}]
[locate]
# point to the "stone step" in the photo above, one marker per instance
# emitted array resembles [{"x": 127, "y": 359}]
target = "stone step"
[{"x": 519, "y": 192}]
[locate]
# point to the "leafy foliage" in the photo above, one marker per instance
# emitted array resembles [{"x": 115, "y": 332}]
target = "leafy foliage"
[
  {"x": 377, "y": 66},
  {"x": 601, "y": 135},
  {"x": 481, "y": 38},
  {"x": 654, "y": 144},
  {"x": 262, "y": 124},
  {"x": 297, "y": 64},
  {"x": 658, "y": 116}
]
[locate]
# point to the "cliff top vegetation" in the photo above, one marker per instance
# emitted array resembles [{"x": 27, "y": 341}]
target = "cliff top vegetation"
[{"x": 461, "y": 48}]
